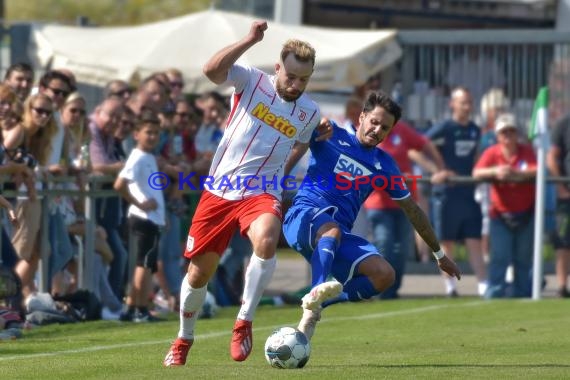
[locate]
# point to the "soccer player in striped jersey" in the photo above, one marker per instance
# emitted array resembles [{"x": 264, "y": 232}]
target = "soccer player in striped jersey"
[{"x": 270, "y": 117}]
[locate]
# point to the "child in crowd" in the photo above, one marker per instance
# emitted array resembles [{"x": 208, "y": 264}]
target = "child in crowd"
[{"x": 146, "y": 214}]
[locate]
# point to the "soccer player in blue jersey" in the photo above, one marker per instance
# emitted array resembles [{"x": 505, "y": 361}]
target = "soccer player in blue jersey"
[{"x": 342, "y": 172}]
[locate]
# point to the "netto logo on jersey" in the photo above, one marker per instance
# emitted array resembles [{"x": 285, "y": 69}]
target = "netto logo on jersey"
[
  {"x": 261, "y": 111},
  {"x": 346, "y": 164}
]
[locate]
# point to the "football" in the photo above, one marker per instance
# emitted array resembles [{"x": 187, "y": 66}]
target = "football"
[{"x": 287, "y": 348}]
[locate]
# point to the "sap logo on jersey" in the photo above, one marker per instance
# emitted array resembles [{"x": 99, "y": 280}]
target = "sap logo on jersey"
[
  {"x": 261, "y": 111},
  {"x": 346, "y": 164}
]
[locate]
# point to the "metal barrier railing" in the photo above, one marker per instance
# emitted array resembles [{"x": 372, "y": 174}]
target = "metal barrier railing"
[{"x": 91, "y": 193}]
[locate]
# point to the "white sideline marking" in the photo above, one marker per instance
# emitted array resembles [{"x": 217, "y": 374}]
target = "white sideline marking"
[{"x": 222, "y": 333}]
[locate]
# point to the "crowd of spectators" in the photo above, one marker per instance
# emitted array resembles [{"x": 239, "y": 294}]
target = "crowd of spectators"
[{"x": 47, "y": 132}]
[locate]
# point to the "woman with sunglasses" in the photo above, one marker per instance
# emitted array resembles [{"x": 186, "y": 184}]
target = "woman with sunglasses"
[
  {"x": 77, "y": 134},
  {"x": 37, "y": 130}
]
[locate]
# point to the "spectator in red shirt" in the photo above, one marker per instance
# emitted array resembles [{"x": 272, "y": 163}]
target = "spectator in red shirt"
[
  {"x": 509, "y": 163},
  {"x": 392, "y": 232}
]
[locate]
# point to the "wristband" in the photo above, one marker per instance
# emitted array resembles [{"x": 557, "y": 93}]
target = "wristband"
[{"x": 438, "y": 255}]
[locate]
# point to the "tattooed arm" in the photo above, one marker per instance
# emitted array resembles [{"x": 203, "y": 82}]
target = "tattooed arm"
[{"x": 419, "y": 220}]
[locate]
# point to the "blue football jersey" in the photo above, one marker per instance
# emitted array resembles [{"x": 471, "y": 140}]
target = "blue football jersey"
[
  {"x": 342, "y": 173},
  {"x": 458, "y": 147}
]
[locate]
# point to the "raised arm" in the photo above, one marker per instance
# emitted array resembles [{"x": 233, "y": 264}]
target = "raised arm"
[
  {"x": 217, "y": 67},
  {"x": 421, "y": 223}
]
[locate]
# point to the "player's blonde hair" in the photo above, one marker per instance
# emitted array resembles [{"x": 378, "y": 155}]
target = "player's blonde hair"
[{"x": 302, "y": 50}]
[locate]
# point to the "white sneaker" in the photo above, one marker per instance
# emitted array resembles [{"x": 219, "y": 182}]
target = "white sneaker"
[
  {"x": 309, "y": 321},
  {"x": 320, "y": 294},
  {"x": 108, "y": 315}
]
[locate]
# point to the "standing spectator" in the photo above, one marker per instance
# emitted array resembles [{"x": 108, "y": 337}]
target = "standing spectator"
[
  {"x": 186, "y": 119},
  {"x": 272, "y": 120},
  {"x": 104, "y": 161},
  {"x": 38, "y": 129},
  {"x": 558, "y": 161},
  {"x": 77, "y": 134},
  {"x": 392, "y": 231},
  {"x": 11, "y": 111},
  {"x": 176, "y": 80},
  {"x": 457, "y": 216},
  {"x": 146, "y": 213},
  {"x": 124, "y": 141},
  {"x": 493, "y": 103},
  {"x": 151, "y": 94},
  {"x": 20, "y": 77},
  {"x": 210, "y": 131},
  {"x": 58, "y": 85},
  {"x": 512, "y": 208},
  {"x": 118, "y": 89}
]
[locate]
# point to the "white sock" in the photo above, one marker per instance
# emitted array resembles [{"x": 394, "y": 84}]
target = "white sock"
[
  {"x": 257, "y": 277},
  {"x": 191, "y": 301},
  {"x": 450, "y": 284}
]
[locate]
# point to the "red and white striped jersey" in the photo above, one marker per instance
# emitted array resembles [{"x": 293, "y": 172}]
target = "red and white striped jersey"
[{"x": 260, "y": 132}]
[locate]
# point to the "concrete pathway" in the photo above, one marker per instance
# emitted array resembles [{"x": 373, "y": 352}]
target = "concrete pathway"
[{"x": 421, "y": 280}]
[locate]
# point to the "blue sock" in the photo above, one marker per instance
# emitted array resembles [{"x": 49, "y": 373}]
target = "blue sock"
[
  {"x": 321, "y": 261},
  {"x": 356, "y": 289}
]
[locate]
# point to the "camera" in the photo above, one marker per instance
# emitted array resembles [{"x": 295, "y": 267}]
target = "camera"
[{"x": 23, "y": 157}]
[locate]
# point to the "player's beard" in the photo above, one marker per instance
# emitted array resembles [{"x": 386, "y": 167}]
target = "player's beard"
[{"x": 285, "y": 95}]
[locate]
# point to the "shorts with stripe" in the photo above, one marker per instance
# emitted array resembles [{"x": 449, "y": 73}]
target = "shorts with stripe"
[{"x": 216, "y": 220}]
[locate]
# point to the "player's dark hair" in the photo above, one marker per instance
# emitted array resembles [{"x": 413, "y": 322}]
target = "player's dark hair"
[
  {"x": 380, "y": 99},
  {"x": 21, "y": 67}
]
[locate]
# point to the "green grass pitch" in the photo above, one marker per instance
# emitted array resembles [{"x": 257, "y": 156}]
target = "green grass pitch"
[{"x": 438, "y": 338}]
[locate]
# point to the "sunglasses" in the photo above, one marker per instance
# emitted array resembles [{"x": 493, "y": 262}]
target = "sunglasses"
[
  {"x": 59, "y": 92},
  {"x": 42, "y": 111},
  {"x": 77, "y": 110},
  {"x": 122, "y": 93},
  {"x": 177, "y": 84}
]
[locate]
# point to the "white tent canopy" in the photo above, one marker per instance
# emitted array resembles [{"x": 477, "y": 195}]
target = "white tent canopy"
[{"x": 97, "y": 55}]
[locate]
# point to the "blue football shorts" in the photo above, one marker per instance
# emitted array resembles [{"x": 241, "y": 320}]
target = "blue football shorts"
[{"x": 300, "y": 228}]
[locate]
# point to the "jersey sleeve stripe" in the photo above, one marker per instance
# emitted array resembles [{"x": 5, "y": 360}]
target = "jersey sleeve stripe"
[{"x": 237, "y": 98}]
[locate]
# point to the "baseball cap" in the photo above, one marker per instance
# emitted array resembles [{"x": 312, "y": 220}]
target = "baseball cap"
[{"x": 505, "y": 121}]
